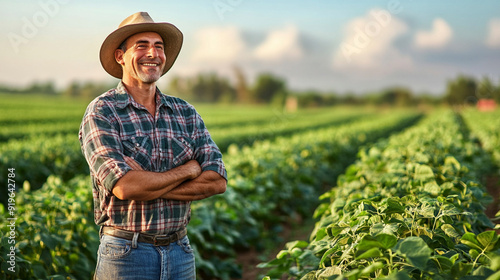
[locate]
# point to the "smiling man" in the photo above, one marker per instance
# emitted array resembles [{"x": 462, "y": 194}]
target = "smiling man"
[{"x": 149, "y": 155}]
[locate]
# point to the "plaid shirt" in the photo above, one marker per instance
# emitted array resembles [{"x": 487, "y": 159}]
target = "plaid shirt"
[{"x": 114, "y": 126}]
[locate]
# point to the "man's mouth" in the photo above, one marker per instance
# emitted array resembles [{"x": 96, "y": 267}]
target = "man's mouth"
[{"x": 150, "y": 64}]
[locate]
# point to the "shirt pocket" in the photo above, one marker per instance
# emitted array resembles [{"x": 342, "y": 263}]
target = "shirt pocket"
[
  {"x": 182, "y": 150},
  {"x": 140, "y": 149}
]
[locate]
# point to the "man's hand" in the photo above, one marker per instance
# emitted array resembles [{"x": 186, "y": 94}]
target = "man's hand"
[{"x": 193, "y": 168}]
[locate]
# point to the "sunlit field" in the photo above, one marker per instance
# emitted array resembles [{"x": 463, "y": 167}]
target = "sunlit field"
[{"x": 397, "y": 192}]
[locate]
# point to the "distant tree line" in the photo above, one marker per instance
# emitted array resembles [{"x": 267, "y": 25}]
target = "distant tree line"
[
  {"x": 467, "y": 90},
  {"x": 36, "y": 87},
  {"x": 210, "y": 87},
  {"x": 268, "y": 88}
]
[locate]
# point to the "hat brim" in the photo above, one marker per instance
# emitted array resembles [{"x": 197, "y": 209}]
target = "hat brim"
[{"x": 171, "y": 35}]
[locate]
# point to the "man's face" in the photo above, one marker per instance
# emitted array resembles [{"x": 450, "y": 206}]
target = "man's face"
[{"x": 144, "y": 58}]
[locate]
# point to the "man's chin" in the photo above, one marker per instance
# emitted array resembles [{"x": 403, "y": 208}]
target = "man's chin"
[{"x": 149, "y": 79}]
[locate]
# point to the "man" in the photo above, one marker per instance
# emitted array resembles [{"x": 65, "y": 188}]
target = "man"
[{"x": 149, "y": 155}]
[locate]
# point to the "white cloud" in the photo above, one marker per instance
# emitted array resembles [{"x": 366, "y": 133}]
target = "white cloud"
[
  {"x": 279, "y": 45},
  {"x": 218, "y": 44},
  {"x": 368, "y": 44},
  {"x": 493, "y": 39},
  {"x": 440, "y": 35}
]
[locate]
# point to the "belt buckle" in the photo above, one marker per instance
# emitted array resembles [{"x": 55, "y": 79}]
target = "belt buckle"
[{"x": 159, "y": 238}]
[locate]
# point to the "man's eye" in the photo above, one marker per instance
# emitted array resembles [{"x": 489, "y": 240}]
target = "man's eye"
[
  {"x": 141, "y": 46},
  {"x": 159, "y": 47}
]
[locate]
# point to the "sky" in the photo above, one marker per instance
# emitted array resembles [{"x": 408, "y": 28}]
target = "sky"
[{"x": 334, "y": 46}]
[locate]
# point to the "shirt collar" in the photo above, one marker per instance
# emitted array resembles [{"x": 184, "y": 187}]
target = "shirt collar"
[{"x": 123, "y": 99}]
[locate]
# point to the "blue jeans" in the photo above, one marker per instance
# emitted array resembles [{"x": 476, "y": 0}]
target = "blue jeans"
[{"x": 119, "y": 258}]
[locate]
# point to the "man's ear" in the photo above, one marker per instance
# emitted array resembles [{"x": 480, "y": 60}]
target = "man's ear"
[{"x": 119, "y": 56}]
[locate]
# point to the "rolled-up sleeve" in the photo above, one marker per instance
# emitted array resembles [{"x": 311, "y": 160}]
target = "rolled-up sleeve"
[
  {"x": 101, "y": 146},
  {"x": 206, "y": 152}
]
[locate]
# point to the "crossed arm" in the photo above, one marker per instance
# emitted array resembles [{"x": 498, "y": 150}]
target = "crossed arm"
[{"x": 186, "y": 182}]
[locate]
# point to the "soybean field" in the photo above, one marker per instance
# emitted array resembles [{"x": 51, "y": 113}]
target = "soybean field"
[{"x": 390, "y": 193}]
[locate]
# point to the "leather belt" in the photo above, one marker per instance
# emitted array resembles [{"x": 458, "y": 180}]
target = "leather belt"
[{"x": 155, "y": 239}]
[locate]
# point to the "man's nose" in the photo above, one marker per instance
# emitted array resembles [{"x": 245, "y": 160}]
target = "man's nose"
[{"x": 153, "y": 52}]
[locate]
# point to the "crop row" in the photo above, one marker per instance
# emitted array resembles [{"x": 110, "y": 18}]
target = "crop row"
[
  {"x": 22, "y": 109},
  {"x": 485, "y": 126},
  {"x": 409, "y": 208},
  {"x": 38, "y": 158},
  {"x": 41, "y": 155},
  {"x": 39, "y": 130},
  {"x": 272, "y": 181},
  {"x": 283, "y": 125},
  {"x": 268, "y": 182}
]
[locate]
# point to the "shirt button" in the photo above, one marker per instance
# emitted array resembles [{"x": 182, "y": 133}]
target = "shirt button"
[{"x": 137, "y": 144}]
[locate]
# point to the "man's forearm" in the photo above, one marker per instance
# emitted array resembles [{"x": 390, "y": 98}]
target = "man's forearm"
[
  {"x": 138, "y": 184},
  {"x": 209, "y": 183}
]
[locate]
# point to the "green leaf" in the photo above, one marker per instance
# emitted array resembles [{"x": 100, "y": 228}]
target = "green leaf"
[
  {"x": 449, "y": 210},
  {"x": 473, "y": 253},
  {"x": 387, "y": 240},
  {"x": 470, "y": 240},
  {"x": 296, "y": 244},
  {"x": 49, "y": 241},
  {"x": 450, "y": 231},
  {"x": 444, "y": 263},
  {"x": 45, "y": 256},
  {"x": 494, "y": 276},
  {"x": 308, "y": 259},
  {"x": 335, "y": 230},
  {"x": 380, "y": 228},
  {"x": 368, "y": 242},
  {"x": 488, "y": 240},
  {"x": 368, "y": 207},
  {"x": 449, "y": 160},
  {"x": 415, "y": 250},
  {"x": 321, "y": 234},
  {"x": 393, "y": 206},
  {"x": 372, "y": 268},
  {"x": 372, "y": 253},
  {"x": 38, "y": 270},
  {"x": 460, "y": 269},
  {"x": 495, "y": 262},
  {"x": 400, "y": 275},
  {"x": 432, "y": 188},
  {"x": 423, "y": 172},
  {"x": 56, "y": 277},
  {"x": 328, "y": 272},
  {"x": 326, "y": 255},
  {"x": 282, "y": 254}
]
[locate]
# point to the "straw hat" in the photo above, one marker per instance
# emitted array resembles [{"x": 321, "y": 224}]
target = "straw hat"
[{"x": 137, "y": 23}]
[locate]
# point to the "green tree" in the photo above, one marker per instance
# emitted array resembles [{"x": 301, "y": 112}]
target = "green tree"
[
  {"x": 397, "y": 96},
  {"x": 242, "y": 91},
  {"x": 462, "y": 90},
  {"x": 485, "y": 89},
  {"x": 209, "y": 87},
  {"x": 267, "y": 86},
  {"x": 73, "y": 90},
  {"x": 44, "y": 87}
]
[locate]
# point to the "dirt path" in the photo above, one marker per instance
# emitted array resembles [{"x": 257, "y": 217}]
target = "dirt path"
[
  {"x": 298, "y": 230},
  {"x": 493, "y": 187}
]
